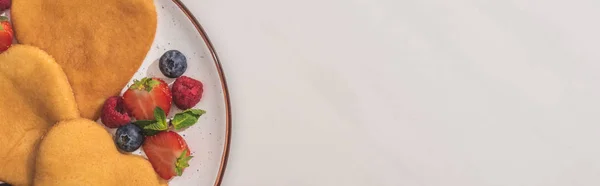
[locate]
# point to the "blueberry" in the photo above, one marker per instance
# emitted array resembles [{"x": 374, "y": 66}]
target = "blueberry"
[
  {"x": 129, "y": 137},
  {"x": 172, "y": 63}
]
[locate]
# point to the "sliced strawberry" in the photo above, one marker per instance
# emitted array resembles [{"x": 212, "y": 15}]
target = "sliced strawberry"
[
  {"x": 168, "y": 153},
  {"x": 6, "y": 34},
  {"x": 146, "y": 94}
]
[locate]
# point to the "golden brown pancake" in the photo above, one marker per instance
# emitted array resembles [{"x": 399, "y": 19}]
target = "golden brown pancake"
[
  {"x": 99, "y": 43},
  {"x": 34, "y": 95},
  {"x": 81, "y": 152}
]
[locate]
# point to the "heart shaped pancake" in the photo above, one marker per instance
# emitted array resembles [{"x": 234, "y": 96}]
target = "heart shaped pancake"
[
  {"x": 81, "y": 152},
  {"x": 99, "y": 44},
  {"x": 35, "y": 94}
]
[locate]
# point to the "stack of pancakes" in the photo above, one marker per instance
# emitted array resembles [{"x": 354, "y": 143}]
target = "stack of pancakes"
[{"x": 71, "y": 56}]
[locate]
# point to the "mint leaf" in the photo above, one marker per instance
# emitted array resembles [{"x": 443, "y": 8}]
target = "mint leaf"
[
  {"x": 198, "y": 112},
  {"x": 150, "y": 132},
  {"x": 156, "y": 126},
  {"x": 143, "y": 123},
  {"x": 151, "y": 127},
  {"x": 186, "y": 118},
  {"x": 160, "y": 116},
  {"x": 181, "y": 121}
]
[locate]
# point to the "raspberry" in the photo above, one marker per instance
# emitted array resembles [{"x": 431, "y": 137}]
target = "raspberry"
[
  {"x": 4, "y": 4},
  {"x": 113, "y": 113},
  {"x": 186, "y": 92}
]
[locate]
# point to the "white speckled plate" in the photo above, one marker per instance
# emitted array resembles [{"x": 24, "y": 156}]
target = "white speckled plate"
[{"x": 209, "y": 138}]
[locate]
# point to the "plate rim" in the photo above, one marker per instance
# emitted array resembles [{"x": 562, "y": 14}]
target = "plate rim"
[{"x": 215, "y": 57}]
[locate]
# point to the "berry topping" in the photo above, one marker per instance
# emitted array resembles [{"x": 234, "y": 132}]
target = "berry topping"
[
  {"x": 168, "y": 153},
  {"x": 172, "y": 64},
  {"x": 129, "y": 138},
  {"x": 113, "y": 113},
  {"x": 145, "y": 95},
  {"x": 4, "y": 5},
  {"x": 187, "y": 92},
  {"x": 6, "y": 34}
]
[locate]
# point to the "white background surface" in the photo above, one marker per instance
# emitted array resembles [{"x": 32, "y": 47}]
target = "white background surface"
[{"x": 422, "y": 92}]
